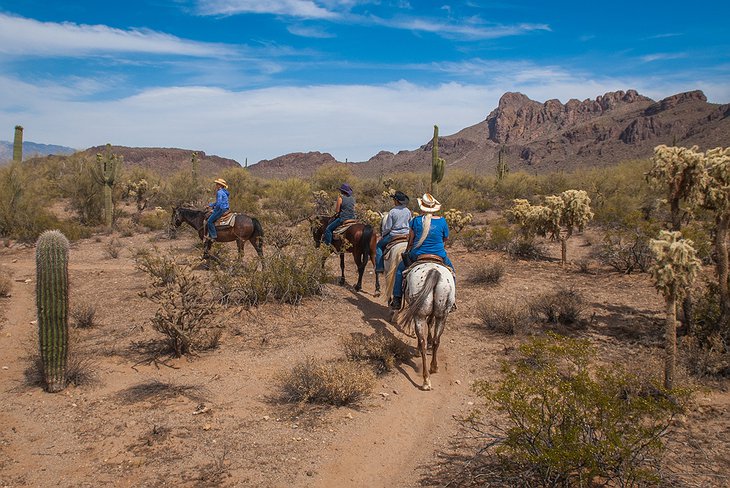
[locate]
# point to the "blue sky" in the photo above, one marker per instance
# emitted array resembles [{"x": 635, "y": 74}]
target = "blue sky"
[{"x": 257, "y": 79}]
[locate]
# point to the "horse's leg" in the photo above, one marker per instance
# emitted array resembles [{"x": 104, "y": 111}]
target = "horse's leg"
[
  {"x": 342, "y": 268},
  {"x": 420, "y": 323},
  {"x": 377, "y": 284},
  {"x": 240, "y": 244},
  {"x": 360, "y": 269},
  {"x": 430, "y": 320},
  {"x": 440, "y": 323}
]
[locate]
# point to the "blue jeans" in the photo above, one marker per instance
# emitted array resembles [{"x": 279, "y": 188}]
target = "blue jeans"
[
  {"x": 379, "y": 250},
  {"x": 212, "y": 233},
  {"x": 398, "y": 283},
  {"x": 330, "y": 228}
]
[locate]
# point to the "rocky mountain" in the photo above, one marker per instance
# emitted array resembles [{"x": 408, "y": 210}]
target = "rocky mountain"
[
  {"x": 543, "y": 137},
  {"x": 31, "y": 150},
  {"x": 166, "y": 161}
]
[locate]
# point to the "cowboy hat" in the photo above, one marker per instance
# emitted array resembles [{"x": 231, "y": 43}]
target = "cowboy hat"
[
  {"x": 346, "y": 189},
  {"x": 401, "y": 197},
  {"x": 428, "y": 203},
  {"x": 221, "y": 182}
]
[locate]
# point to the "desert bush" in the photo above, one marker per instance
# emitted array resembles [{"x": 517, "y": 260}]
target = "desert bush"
[
  {"x": 504, "y": 318},
  {"x": 626, "y": 250},
  {"x": 475, "y": 239},
  {"x": 525, "y": 248},
  {"x": 185, "y": 313},
  {"x": 84, "y": 315},
  {"x": 381, "y": 350},
  {"x": 161, "y": 267},
  {"x": 329, "y": 177},
  {"x": 290, "y": 197},
  {"x": 286, "y": 277},
  {"x": 706, "y": 358},
  {"x": 77, "y": 183},
  {"x": 487, "y": 273},
  {"x": 564, "y": 307},
  {"x": 501, "y": 236},
  {"x": 158, "y": 219},
  {"x": 567, "y": 423},
  {"x": 112, "y": 248},
  {"x": 23, "y": 213},
  {"x": 335, "y": 383}
]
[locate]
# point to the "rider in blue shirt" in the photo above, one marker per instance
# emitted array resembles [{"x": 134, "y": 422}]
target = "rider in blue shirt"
[
  {"x": 220, "y": 206},
  {"x": 396, "y": 224},
  {"x": 427, "y": 236}
]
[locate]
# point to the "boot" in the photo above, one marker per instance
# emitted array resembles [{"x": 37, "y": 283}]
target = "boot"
[{"x": 396, "y": 303}]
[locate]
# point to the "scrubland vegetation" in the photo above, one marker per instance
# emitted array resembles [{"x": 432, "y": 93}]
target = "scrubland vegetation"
[{"x": 566, "y": 420}]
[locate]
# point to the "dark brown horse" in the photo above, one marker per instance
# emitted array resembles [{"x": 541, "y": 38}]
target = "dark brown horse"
[
  {"x": 361, "y": 243},
  {"x": 244, "y": 229}
]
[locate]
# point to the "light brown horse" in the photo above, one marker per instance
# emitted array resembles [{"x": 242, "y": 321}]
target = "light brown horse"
[
  {"x": 361, "y": 243},
  {"x": 245, "y": 228}
]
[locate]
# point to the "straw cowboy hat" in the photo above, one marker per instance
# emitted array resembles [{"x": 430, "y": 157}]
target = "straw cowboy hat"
[
  {"x": 221, "y": 182},
  {"x": 429, "y": 204}
]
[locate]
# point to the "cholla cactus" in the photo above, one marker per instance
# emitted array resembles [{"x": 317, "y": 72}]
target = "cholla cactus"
[
  {"x": 375, "y": 219},
  {"x": 322, "y": 202},
  {"x": 673, "y": 272},
  {"x": 557, "y": 219},
  {"x": 457, "y": 220},
  {"x": 141, "y": 190},
  {"x": 437, "y": 164},
  {"x": 681, "y": 173},
  {"x": 108, "y": 168}
]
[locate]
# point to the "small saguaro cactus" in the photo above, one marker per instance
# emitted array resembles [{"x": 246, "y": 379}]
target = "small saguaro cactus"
[
  {"x": 673, "y": 272},
  {"x": 109, "y": 165},
  {"x": 196, "y": 169},
  {"x": 18, "y": 144},
  {"x": 502, "y": 168},
  {"x": 52, "y": 307},
  {"x": 437, "y": 163}
]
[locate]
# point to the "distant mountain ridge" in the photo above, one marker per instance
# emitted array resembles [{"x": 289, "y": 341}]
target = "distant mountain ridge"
[
  {"x": 33, "y": 149},
  {"x": 543, "y": 137}
]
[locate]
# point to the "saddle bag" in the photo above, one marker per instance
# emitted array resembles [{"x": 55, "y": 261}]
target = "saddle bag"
[{"x": 407, "y": 260}]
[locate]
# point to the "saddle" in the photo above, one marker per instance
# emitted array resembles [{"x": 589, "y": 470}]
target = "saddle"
[
  {"x": 228, "y": 219},
  {"x": 394, "y": 241},
  {"x": 342, "y": 228}
]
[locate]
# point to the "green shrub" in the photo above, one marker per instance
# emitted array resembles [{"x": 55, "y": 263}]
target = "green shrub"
[
  {"x": 525, "y": 248},
  {"x": 500, "y": 236},
  {"x": 381, "y": 350},
  {"x": 158, "y": 219},
  {"x": 335, "y": 383},
  {"x": 475, "y": 239},
  {"x": 570, "y": 424},
  {"x": 23, "y": 213},
  {"x": 161, "y": 267},
  {"x": 329, "y": 177},
  {"x": 290, "y": 197}
]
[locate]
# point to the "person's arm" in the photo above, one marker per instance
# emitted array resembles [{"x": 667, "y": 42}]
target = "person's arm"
[
  {"x": 446, "y": 231},
  {"x": 338, "y": 205},
  {"x": 388, "y": 224}
]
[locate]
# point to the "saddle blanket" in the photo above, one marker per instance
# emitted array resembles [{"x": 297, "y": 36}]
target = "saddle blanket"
[
  {"x": 342, "y": 228},
  {"x": 228, "y": 219},
  {"x": 395, "y": 241}
]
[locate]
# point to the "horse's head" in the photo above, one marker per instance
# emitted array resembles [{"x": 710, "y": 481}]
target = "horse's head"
[
  {"x": 176, "y": 219},
  {"x": 317, "y": 225}
]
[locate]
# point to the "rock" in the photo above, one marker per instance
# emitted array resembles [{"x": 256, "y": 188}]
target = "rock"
[
  {"x": 458, "y": 382},
  {"x": 265, "y": 417},
  {"x": 384, "y": 395},
  {"x": 206, "y": 427},
  {"x": 348, "y": 416}
]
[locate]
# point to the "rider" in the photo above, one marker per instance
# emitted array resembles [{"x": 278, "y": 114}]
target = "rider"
[
  {"x": 344, "y": 210},
  {"x": 427, "y": 235},
  {"x": 220, "y": 206},
  {"x": 396, "y": 224}
]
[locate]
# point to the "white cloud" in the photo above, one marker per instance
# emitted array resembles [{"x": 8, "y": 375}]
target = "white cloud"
[
  {"x": 23, "y": 37},
  {"x": 291, "y": 8},
  {"x": 464, "y": 30},
  {"x": 662, "y": 57}
]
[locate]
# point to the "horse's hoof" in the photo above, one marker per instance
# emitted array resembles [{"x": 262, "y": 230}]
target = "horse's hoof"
[
  {"x": 358, "y": 288},
  {"x": 433, "y": 370},
  {"x": 376, "y": 294},
  {"x": 426, "y": 386}
]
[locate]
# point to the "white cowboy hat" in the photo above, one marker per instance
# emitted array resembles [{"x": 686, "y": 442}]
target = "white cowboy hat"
[
  {"x": 221, "y": 182},
  {"x": 428, "y": 203}
]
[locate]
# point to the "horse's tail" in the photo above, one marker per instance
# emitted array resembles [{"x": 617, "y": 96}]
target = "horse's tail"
[
  {"x": 367, "y": 235},
  {"x": 405, "y": 318},
  {"x": 258, "y": 233}
]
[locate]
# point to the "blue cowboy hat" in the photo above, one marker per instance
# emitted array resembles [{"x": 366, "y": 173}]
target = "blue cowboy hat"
[{"x": 346, "y": 189}]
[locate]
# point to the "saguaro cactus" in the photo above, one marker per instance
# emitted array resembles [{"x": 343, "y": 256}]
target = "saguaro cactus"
[
  {"x": 437, "y": 163},
  {"x": 52, "y": 307},
  {"x": 196, "y": 169},
  {"x": 108, "y": 168},
  {"x": 18, "y": 144},
  {"x": 674, "y": 271},
  {"x": 502, "y": 168}
]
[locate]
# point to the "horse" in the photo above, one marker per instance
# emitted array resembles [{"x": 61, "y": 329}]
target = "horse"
[
  {"x": 245, "y": 228},
  {"x": 430, "y": 296},
  {"x": 361, "y": 243},
  {"x": 391, "y": 260}
]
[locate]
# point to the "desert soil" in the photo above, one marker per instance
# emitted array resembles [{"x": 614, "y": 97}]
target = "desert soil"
[{"x": 137, "y": 423}]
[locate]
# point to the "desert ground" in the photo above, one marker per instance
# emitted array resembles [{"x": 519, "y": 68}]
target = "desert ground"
[{"x": 217, "y": 419}]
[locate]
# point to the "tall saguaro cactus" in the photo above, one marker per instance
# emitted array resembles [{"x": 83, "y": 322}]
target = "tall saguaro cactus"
[
  {"x": 196, "y": 169},
  {"x": 52, "y": 307},
  {"x": 18, "y": 144},
  {"x": 108, "y": 168},
  {"x": 437, "y": 163},
  {"x": 502, "y": 168}
]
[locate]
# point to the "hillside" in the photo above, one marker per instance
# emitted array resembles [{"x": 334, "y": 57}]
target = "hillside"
[
  {"x": 32, "y": 149},
  {"x": 543, "y": 137}
]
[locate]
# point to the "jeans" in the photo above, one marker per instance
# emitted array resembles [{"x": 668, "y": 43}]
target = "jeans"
[
  {"x": 212, "y": 233},
  {"x": 398, "y": 283},
  {"x": 379, "y": 250},
  {"x": 330, "y": 228}
]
